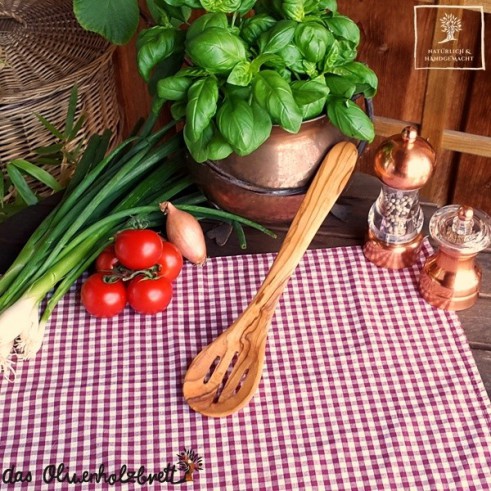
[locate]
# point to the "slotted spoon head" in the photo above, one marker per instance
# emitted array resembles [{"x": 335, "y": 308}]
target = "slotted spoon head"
[{"x": 224, "y": 376}]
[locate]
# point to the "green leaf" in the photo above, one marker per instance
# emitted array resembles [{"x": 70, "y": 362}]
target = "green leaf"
[
  {"x": 350, "y": 119},
  {"x": 201, "y": 107},
  {"x": 343, "y": 27},
  {"x": 241, "y": 74},
  {"x": 204, "y": 21},
  {"x": 320, "y": 5},
  {"x": 53, "y": 149},
  {"x": 117, "y": 20},
  {"x": 340, "y": 86},
  {"x": 198, "y": 147},
  {"x": 235, "y": 121},
  {"x": 218, "y": 148},
  {"x": 360, "y": 75},
  {"x": 216, "y": 49},
  {"x": 50, "y": 127},
  {"x": 38, "y": 173},
  {"x": 178, "y": 110},
  {"x": 313, "y": 109},
  {"x": 174, "y": 88},
  {"x": 292, "y": 58},
  {"x": 226, "y": 6},
  {"x": 294, "y": 9},
  {"x": 163, "y": 69},
  {"x": 277, "y": 37},
  {"x": 313, "y": 40},
  {"x": 245, "y": 6},
  {"x": 274, "y": 94},
  {"x": 20, "y": 185},
  {"x": 154, "y": 46},
  {"x": 77, "y": 127},
  {"x": 72, "y": 107},
  {"x": 254, "y": 26},
  {"x": 309, "y": 91},
  {"x": 262, "y": 126}
]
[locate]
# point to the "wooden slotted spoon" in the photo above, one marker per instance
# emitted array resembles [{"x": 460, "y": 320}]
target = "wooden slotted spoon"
[{"x": 225, "y": 374}]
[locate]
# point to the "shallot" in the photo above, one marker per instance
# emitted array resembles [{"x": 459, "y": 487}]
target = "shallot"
[{"x": 185, "y": 232}]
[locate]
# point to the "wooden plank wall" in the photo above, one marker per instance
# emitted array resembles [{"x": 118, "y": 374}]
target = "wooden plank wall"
[{"x": 451, "y": 109}]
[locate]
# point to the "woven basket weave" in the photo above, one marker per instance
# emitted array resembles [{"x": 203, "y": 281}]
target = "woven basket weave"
[{"x": 43, "y": 54}]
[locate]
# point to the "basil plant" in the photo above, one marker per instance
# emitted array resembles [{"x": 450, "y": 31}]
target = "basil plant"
[{"x": 240, "y": 66}]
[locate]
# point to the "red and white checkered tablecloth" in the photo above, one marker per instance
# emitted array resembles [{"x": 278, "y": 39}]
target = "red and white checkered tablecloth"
[{"x": 365, "y": 387}]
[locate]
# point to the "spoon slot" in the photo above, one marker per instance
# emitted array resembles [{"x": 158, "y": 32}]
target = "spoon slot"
[
  {"x": 211, "y": 370},
  {"x": 226, "y": 377}
]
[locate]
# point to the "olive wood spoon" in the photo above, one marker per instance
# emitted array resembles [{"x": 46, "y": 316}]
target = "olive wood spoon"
[{"x": 224, "y": 376}]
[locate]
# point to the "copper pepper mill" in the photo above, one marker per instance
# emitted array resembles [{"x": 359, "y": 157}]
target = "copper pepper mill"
[
  {"x": 403, "y": 163},
  {"x": 451, "y": 278}
]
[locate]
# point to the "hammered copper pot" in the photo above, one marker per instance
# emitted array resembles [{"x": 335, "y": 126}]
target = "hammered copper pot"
[{"x": 269, "y": 184}]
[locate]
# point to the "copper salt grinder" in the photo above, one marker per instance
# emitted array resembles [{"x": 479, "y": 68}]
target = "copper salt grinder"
[
  {"x": 450, "y": 278},
  {"x": 403, "y": 163}
]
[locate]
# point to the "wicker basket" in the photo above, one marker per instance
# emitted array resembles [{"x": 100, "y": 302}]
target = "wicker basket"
[{"x": 43, "y": 54}]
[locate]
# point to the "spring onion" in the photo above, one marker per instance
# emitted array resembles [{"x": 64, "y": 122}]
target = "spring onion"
[{"x": 110, "y": 191}]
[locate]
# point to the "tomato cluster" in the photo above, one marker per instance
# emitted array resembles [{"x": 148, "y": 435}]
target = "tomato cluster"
[{"x": 137, "y": 270}]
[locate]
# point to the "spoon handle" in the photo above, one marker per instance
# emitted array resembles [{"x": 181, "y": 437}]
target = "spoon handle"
[{"x": 328, "y": 184}]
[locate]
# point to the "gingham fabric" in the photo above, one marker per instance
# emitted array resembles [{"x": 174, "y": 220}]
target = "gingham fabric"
[{"x": 365, "y": 387}]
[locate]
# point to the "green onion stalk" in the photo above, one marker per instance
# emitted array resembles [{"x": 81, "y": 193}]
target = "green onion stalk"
[{"x": 109, "y": 192}]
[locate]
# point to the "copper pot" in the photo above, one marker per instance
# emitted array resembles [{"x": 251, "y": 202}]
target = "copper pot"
[{"x": 269, "y": 184}]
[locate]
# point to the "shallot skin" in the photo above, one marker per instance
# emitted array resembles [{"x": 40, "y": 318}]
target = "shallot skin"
[{"x": 185, "y": 232}]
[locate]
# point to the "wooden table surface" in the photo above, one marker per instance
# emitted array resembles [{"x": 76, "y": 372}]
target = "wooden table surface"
[{"x": 347, "y": 228}]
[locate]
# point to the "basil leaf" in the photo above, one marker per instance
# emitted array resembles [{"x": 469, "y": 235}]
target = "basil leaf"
[
  {"x": 194, "y": 4},
  {"x": 226, "y": 6},
  {"x": 254, "y": 26},
  {"x": 198, "y": 147},
  {"x": 155, "y": 45},
  {"x": 201, "y": 107},
  {"x": 216, "y": 50},
  {"x": 294, "y": 9},
  {"x": 292, "y": 58},
  {"x": 313, "y": 39},
  {"x": 178, "y": 110},
  {"x": 205, "y": 21},
  {"x": 274, "y": 94},
  {"x": 235, "y": 91},
  {"x": 277, "y": 37},
  {"x": 218, "y": 148},
  {"x": 343, "y": 27},
  {"x": 314, "y": 109},
  {"x": 359, "y": 74},
  {"x": 173, "y": 88},
  {"x": 262, "y": 126},
  {"x": 191, "y": 71},
  {"x": 320, "y": 5},
  {"x": 245, "y": 6},
  {"x": 309, "y": 91},
  {"x": 350, "y": 119},
  {"x": 340, "y": 86},
  {"x": 241, "y": 74},
  {"x": 235, "y": 121}
]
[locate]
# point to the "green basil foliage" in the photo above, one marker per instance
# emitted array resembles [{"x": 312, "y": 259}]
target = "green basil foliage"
[{"x": 246, "y": 65}]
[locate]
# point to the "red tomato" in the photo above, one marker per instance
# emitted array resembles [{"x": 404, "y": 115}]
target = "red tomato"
[
  {"x": 149, "y": 295},
  {"x": 106, "y": 260},
  {"x": 101, "y": 298},
  {"x": 170, "y": 262},
  {"x": 138, "y": 249}
]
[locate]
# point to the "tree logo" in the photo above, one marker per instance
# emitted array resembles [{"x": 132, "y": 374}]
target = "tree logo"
[
  {"x": 450, "y": 25},
  {"x": 189, "y": 462}
]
